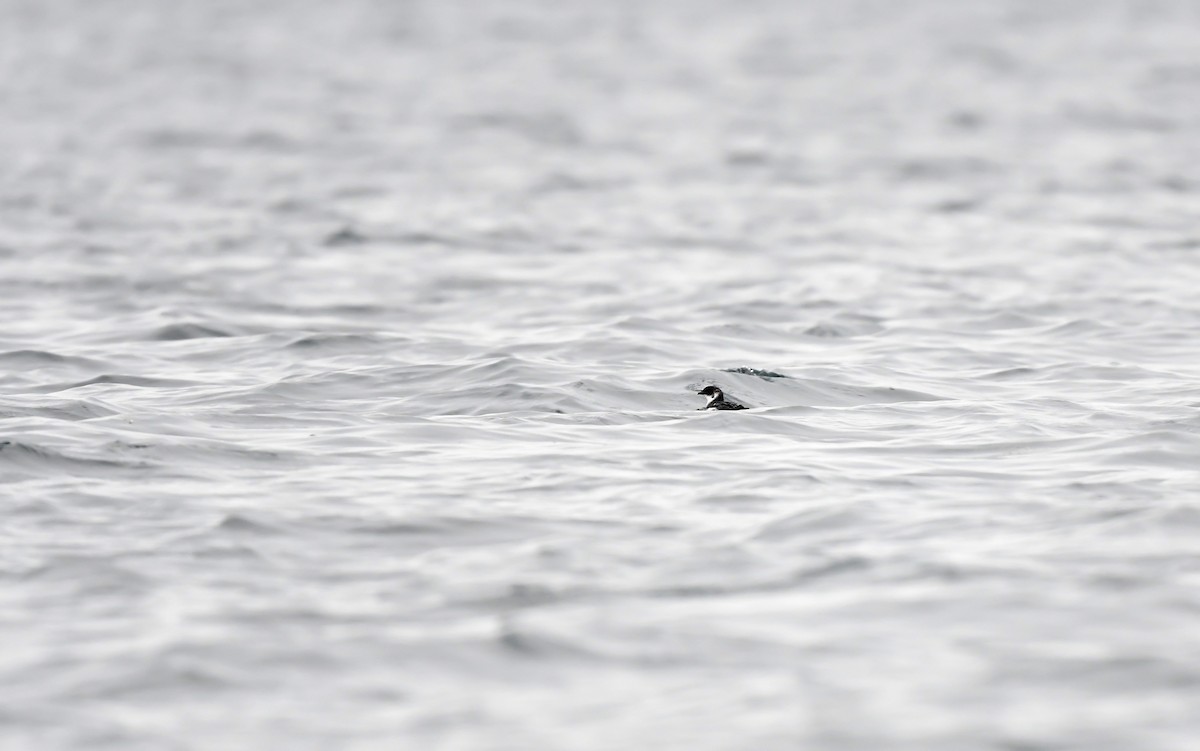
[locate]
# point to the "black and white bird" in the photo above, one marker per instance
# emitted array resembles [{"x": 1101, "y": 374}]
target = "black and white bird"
[{"x": 718, "y": 400}]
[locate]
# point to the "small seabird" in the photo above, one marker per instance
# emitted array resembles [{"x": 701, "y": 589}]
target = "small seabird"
[{"x": 718, "y": 400}]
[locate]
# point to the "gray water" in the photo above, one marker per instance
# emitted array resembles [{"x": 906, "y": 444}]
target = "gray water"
[{"x": 348, "y": 356}]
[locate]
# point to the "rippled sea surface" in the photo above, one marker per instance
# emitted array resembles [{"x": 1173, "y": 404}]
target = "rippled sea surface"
[{"x": 348, "y": 355}]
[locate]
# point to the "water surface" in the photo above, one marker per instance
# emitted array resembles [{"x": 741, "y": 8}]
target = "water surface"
[{"x": 348, "y": 357}]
